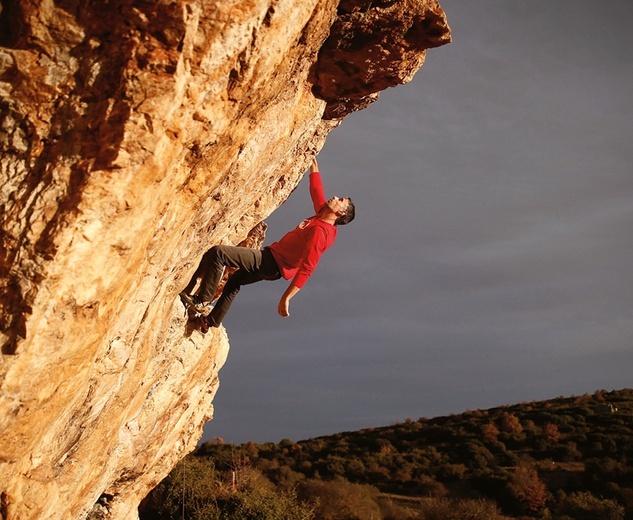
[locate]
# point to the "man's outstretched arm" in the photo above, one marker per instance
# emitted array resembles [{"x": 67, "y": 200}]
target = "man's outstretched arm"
[
  {"x": 317, "y": 193},
  {"x": 284, "y": 303}
]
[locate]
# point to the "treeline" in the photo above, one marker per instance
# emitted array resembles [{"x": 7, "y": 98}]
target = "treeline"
[{"x": 566, "y": 458}]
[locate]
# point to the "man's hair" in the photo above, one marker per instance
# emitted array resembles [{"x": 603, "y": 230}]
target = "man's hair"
[{"x": 350, "y": 213}]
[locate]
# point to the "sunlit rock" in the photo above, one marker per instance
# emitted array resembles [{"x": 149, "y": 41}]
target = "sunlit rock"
[{"x": 134, "y": 135}]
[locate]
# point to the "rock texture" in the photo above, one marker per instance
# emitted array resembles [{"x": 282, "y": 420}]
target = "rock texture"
[{"x": 135, "y": 134}]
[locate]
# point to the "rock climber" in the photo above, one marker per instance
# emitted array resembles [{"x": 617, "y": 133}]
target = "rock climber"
[{"x": 294, "y": 258}]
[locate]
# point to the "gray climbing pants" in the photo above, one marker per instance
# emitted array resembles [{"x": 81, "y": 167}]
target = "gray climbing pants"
[{"x": 253, "y": 265}]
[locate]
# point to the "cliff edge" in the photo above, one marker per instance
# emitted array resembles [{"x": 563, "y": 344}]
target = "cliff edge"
[{"x": 134, "y": 135}]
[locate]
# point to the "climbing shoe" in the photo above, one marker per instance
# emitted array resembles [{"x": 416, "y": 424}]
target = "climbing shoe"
[
  {"x": 204, "y": 325},
  {"x": 193, "y": 302},
  {"x": 206, "y": 322}
]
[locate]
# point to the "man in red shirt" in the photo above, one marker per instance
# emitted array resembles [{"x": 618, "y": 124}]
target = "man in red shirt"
[{"x": 294, "y": 258}]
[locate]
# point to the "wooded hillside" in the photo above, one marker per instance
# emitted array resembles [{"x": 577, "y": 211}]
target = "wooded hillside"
[{"x": 565, "y": 458}]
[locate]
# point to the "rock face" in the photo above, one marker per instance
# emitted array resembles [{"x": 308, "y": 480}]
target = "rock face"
[{"x": 134, "y": 135}]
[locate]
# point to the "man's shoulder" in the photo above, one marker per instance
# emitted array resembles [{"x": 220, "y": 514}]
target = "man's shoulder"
[
  {"x": 324, "y": 230},
  {"x": 325, "y": 226}
]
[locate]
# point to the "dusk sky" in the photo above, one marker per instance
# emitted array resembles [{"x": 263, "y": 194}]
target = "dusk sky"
[{"x": 491, "y": 259}]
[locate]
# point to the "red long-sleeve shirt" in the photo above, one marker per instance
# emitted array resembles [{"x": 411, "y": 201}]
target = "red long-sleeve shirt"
[{"x": 297, "y": 253}]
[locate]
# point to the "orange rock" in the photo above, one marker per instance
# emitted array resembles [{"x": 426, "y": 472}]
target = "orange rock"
[{"x": 134, "y": 136}]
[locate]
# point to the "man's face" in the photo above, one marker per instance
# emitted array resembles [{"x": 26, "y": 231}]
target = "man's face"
[{"x": 338, "y": 205}]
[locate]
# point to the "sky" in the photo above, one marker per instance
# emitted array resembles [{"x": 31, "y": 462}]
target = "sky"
[{"x": 491, "y": 258}]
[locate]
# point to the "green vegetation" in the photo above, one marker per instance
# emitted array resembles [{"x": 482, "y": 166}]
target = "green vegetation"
[{"x": 562, "y": 459}]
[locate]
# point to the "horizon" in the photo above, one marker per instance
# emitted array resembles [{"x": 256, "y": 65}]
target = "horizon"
[{"x": 421, "y": 417}]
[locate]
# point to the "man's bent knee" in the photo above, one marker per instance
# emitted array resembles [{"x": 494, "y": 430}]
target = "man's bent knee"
[{"x": 218, "y": 254}]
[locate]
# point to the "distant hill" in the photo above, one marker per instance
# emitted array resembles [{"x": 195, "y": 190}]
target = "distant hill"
[{"x": 565, "y": 458}]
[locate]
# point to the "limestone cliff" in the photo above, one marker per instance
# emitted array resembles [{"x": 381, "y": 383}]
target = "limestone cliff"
[{"x": 135, "y": 134}]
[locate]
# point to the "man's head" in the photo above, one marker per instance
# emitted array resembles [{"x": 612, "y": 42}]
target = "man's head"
[{"x": 344, "y": 209}]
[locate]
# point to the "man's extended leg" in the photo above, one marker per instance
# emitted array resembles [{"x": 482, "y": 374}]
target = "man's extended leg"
[
  {"x": 211, "y": 269},
  {"x": 266, "y": 269},
  {"x": 226, "y": 256},
  {"x": 202, "y": 267},
  {"x": 231, "y": 288}
]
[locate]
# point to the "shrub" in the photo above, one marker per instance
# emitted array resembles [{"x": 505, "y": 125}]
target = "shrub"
[
  {"x": 195, "y": 490},
  {"x": 394, "y": 510},
  {"x": 452, "y": 471},
  {"x": 193, "y": 481},
  {"x": 510, "y": 423},
  {"x": 284, "y": 477},
  {"x": 340, "y": 500},
  {"x": 471, "y": 509},
  {"x": 427, "y": 486},
  {"x": 550, "y": 433},
  {"x": 569, "y": 452},
  {"x": 475, "y": 455},
  {"x": 585, "y": 506},
  {"x": 490, "y": 432},
  {"x": 355, "y": 469},
  {"x": 528, "y": 489},
  {"x": 262, "y": 504}
]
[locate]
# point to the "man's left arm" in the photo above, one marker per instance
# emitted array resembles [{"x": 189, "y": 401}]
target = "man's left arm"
[
  {"x": 317, "y": 244},
  {"x": 317, "y": 193},
  {"x": 284, "y": 304}
]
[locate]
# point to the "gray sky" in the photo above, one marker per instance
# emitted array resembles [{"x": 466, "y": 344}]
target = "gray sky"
[{"x": 491, "y": 258}]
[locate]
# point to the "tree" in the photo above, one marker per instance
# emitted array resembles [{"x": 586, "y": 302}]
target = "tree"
[
  {"x": 550, "y": 433},
  {"x": 584, "y": 506},
  {"x": 490, "y": 432},
  {"x": 510, "y": 423},
  {"x": 528, "y": 489}
]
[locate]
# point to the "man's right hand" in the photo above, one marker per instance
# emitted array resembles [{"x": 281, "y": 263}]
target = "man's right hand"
[
  {"x": 284, "y": 303},
  {"x": 314, "y": 167},
  {"x": 283, "y": 308}
]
